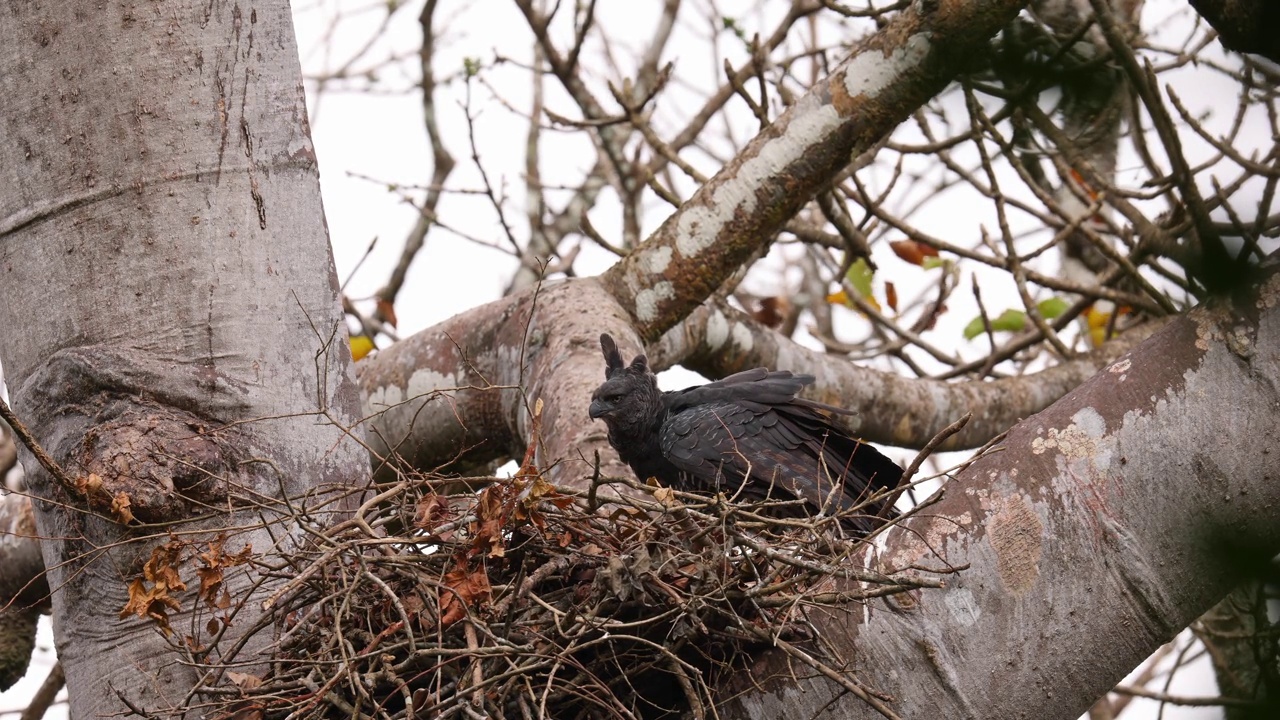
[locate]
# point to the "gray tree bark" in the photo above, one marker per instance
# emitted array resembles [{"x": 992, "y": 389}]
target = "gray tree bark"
[{"x": 173, "y": 332}]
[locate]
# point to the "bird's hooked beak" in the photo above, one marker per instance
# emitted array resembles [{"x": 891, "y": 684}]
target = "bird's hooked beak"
[{"x": 598, "y": 408}]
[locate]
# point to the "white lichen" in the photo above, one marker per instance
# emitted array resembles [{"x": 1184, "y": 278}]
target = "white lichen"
[
  {"x": 656, "y": 260},
  {"x": 871, "y": 72},
  {"x": 649, "y": 300},
  {"x": 742, "y": 337},
  {"x": 424, "y": 381},
  {"x": 700, "y": 224},
  {"x": 717, "y": 330},
  {"x": 1083, "y": 439},
  {"x": 381, "y": 398}
]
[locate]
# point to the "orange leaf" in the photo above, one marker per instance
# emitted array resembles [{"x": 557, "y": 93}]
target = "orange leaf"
[
  {"x": 210, "y": 582},
  {"x": 152, "y": 595},
  {"x": 891, "y": 296},
  {"x": 488, "y": 538},
  {"x": 912, "y": 251},
  {"x": 213, "y": 561},
  {"x": 86, "y": 484},
  {"x": 771, "y": 311},
  {"x": 666, "y": 496},
  {"x": 387, "y": 312},
  {"x": 244, "y": 680},
  {"x": 160, "y": 568},
  {"x": 463, "y": 589}
]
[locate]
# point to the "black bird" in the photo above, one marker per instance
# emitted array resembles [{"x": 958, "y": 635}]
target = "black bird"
[{"x": 747, "y": 433}]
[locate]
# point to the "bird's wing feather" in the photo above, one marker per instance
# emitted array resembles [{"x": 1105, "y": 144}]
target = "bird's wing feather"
[
  {"x": 770, "y": 441},
  {"x": 758, "y": 386}
]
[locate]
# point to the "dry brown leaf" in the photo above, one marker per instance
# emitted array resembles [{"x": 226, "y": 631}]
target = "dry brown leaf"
[
  {"x": 156, "y": 601},
  {"x": 90, "y": 483},
  {"x": 488, "y": 538},
  {"x": 213, "y": 561},
  {"x": 463, "y": 589},
  {"x": 912, "y": 251},
  {"x": 387, "y": 312},
  {"x": 666, "y": 496},
  {"x": 244, "y": 681},
  {"x": 771, "y": 311},
  {"x": 430, "y": 511},
  {"x": 120, "y": 508}
]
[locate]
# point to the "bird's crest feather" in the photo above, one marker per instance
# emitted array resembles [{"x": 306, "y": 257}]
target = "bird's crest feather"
[{"x": 613, "y": 358}]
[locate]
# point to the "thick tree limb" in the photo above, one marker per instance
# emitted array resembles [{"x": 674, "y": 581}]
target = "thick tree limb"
[
  {"x": 718, "y": 340},
  {"x": 459, "y": 394},
  {"x": 888, "y": 76},
  {"x": 1098, "y": 529}
]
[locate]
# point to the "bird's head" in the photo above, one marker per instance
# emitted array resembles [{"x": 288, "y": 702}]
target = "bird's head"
[{"x": 629, "y": 393}]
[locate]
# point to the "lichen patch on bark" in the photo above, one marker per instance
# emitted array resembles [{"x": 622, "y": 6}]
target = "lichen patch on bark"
[
  {"x": 1081, "y": 440},
  {"x": 1015, "y": 533},
  {"x": 869, "y": 73}
]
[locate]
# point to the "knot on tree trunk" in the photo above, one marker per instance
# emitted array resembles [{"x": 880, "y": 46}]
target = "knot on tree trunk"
[
  {"x": 150, "y": 463},
  {"x": 132, "y": 445}
]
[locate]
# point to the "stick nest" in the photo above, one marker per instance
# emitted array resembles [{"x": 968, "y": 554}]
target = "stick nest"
[{"x": 524, "y": 601}]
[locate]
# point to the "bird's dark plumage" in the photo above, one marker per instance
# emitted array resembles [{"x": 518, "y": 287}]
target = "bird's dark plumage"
[{"x": 747, "y": 433}]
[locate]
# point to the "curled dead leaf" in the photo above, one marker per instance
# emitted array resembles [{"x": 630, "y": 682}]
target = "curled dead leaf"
[
  {"x": 772, "y": 311},
  {"x": 387, "y": 311},
  {"x": 86, "y": 484},
  {"x": 430, "y": 511},
  {"x": 120, "y": 508},
  {"x": 463, "y": 588},
  {"x": 666, "y": 496},
  {"x": 244, "y": 681},
  {"x": 155, "y": 601}
]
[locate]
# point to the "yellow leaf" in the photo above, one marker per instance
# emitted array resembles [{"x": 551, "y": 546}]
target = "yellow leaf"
[
  {"x": 1097, "y": 321},
  {"x": 840, "y": 298},
  {"x": 361, "y": 345}
]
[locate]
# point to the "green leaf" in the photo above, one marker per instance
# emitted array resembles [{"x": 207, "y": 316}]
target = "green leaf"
[
  {"x": 859, "y": 276},
  {"x": 1009, "y": 321},
  {"x": 929, "y": 263},
  {"x": 731, "y": 25},
  {"x": 1052, "y": 308}
]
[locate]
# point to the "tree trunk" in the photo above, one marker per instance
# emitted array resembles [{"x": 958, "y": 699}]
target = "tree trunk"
[{"x": 174, "y": 335}]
